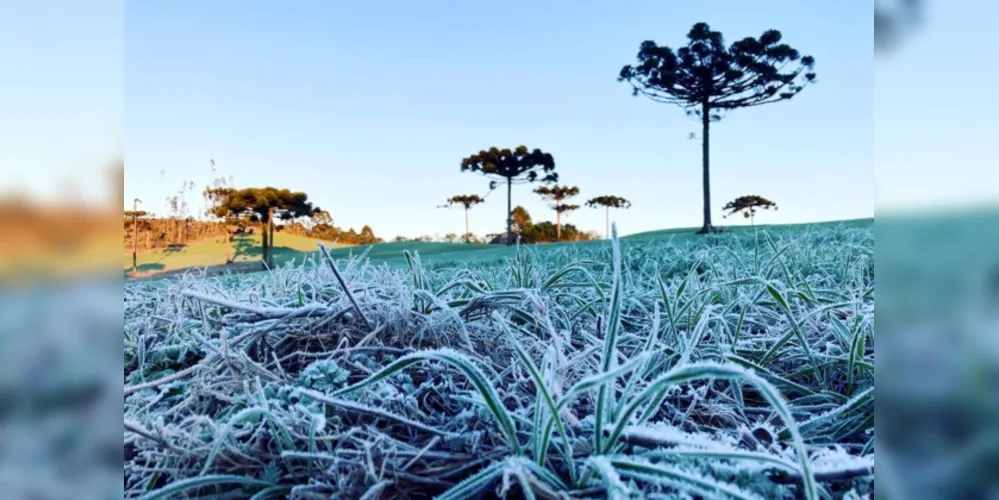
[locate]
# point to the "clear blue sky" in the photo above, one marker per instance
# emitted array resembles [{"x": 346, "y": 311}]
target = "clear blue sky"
[
  {"x": 370, "y": 106},
  {"x": 61, "y": 87}
]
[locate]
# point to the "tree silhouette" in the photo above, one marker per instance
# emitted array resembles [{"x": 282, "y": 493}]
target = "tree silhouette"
[
  {"x": 518, "y": 166},
  {"x": 708, "y": 79},
  {"x": 558, "y": 194},
  {"x": 748, "y": 205},
  {"x": 468, "y": 201},
  {"x": 608, "y": 202},
  {"x": 266, "y": 203}
]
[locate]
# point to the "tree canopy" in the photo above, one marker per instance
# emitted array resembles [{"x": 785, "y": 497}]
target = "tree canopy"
[
  {"x": 557, "y": 193},
  {"x": 519, "y": 165},
  {"x": 262, "y": 201},
  {"x": 749, "y": 72},
  {"x": 609, "y": 201},
  {"x": 748, "y": 205},
  {"x": 521, "y": 218},
  {"x": 466, "y": 200}
]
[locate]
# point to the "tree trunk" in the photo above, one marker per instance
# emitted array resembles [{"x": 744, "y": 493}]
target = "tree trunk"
[
  {"x": 509, "y": 212},
  {"x": 705, "y": 162},
  {"x": 558, "y": 225},
  {"x": 467, "y": 239},
  {"x": 135, "y": 241},
  {"x": 270, "y": 238},
  {"x": 229, "y": 257},
  {"x": 607, "y": 220},
  {"x": 263, "y": 236}
]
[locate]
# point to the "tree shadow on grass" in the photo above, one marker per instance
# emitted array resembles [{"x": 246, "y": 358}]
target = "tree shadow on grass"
[
  {"x": 246, "y": 248},
  {"x": 144, "y": 269},
  {"x": 173, "y": 248}
]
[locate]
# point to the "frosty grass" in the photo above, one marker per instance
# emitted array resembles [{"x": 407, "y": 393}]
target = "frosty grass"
[{"x": 738, "y": 365}]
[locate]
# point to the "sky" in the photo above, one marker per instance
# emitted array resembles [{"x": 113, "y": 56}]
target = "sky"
[
  {"x": 369, "y": 107},
  {"x": 61, "y": 106}
]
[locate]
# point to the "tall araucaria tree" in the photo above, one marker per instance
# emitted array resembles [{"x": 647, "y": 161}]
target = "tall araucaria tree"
[
  {"x": 266, "y": 203},
  {"x": 468, "y": 201},
  {"x": 748, "y": 206},
  {"x": 558, "y": 194},
  {"x": 708, "y": 79},
  {"x": 518, "y": 166},
  {"x": 608, "y": 202}
]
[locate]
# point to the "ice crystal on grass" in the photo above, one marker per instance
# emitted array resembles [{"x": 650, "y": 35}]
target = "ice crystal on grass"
[{"x": 736, "y": 365}]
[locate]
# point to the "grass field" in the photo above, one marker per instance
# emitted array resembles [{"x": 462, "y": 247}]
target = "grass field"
[
  {"x": 298, "y": 249},
  {"x": 660, "y": 365},
  {"x": 212, "y": 253},
  {"x": 459, "y": 254}
]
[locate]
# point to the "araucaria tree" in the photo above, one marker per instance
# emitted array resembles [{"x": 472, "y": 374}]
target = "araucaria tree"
[
  {"x": 748, "y": 206},
  {"x": 468, "y": 201},
  {"x": 516, "y": 166},
  {"x": 608, "y": 202},
  {"x": 558, "y": 194},
  {"x": 266, "y": 203},
  {"x": 562, "y": 208},
  {"x": 708, "y": 79}
]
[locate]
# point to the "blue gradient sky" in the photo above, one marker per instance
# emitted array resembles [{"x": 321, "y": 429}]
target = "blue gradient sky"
[{"x": 370, "y": 106}]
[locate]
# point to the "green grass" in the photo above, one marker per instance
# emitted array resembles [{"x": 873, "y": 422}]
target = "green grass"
[
  {"x": 299, "y": 249},
  {"x": 459, "y": 254},
  {"x": 213, "y": 251}
]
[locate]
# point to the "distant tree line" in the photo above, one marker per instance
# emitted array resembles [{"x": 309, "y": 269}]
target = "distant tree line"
[
  {"x": 527, "y": 231},
  {"x": 232, "y": 213},
  {"x": 163, "y": 232}
]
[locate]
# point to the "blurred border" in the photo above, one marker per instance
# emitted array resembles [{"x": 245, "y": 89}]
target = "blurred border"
[
  {"x": 60, "y": 196},
  {"x": 937, "y": 365}
]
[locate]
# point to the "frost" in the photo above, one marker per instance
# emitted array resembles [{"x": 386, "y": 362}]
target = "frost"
[{"x": 245, "y": 381}]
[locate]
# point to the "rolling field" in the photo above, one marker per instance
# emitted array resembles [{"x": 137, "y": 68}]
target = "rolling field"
[
  {"x": 661, "y": 365},
  {"x": 459, "y": 254},
  {"x": 212, "y": 252}
]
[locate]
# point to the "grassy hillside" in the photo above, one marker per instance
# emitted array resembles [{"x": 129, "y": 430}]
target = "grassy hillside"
[
  {"x": 299, "y": 249},
  {"x": 212, "y": 252},
  {"x": 441, "y": 253}
]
